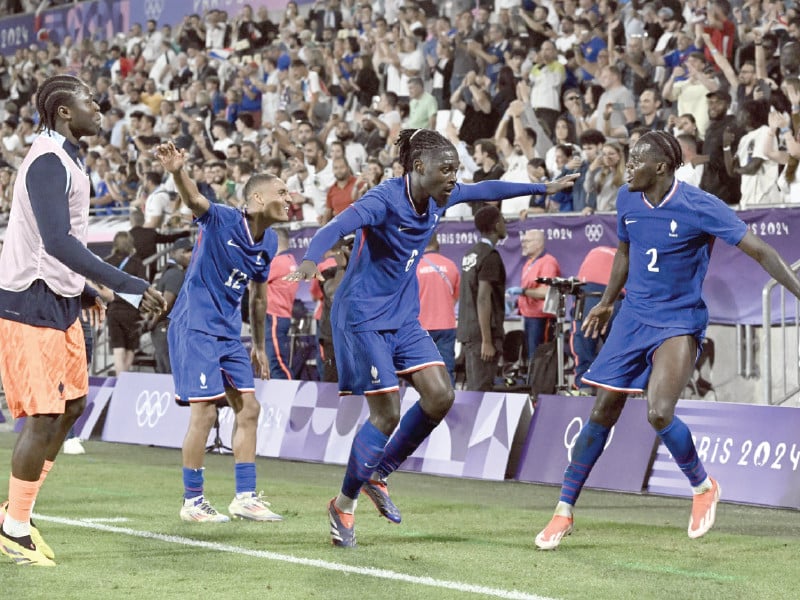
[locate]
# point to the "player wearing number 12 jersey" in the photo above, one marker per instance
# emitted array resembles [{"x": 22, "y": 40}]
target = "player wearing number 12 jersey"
[
  {"x": 376, "y": 331},
  {"x": 209, "y": 360},
  {"x": 666, "y": 231}
]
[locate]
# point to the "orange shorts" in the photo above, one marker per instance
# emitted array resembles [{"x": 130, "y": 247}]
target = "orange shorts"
[{"x": 42, "y": 368}]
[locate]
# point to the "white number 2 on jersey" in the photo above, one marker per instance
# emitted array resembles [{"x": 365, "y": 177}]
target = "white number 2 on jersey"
[
  {"x": 411, "y": 260},
  {"x": 236, "y": 279},
  {"x": 653, "y": 252}
]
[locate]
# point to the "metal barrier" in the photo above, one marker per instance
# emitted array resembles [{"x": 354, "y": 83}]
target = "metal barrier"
[{"x": 789, "y": 359}]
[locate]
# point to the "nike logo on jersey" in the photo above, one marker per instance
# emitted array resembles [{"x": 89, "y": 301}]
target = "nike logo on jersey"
[
  {"x": 629, "y": 221},
  {"x": 234, "y": 244},
  {"x": 401, "y": 228}
]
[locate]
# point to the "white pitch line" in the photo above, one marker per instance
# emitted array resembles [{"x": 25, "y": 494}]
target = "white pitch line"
[
  {"x": 109, "y": 520},
  {"x": 306, "y": 562}
]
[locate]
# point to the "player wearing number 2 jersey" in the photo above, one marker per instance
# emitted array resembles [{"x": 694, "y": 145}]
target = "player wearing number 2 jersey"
[
  {"x": 666, "y": 230},
  {"x": 209, "y": 361},
  {"x": 376, "y": 330}
]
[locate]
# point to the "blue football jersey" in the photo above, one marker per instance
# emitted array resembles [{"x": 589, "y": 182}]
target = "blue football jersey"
[
  {"x": 670, "y": 246},
  {"x": 224, "y": 260},
  {"x": 379, "y": 290}
]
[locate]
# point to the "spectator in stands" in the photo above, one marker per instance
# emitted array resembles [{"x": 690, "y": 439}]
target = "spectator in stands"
[
  {"x": 473, "y": 99},
  {"x": 606, "y": 174},
  {"x": 759, "y": 174},
  {"x": 615, "y": 107},
  {"x": 319, "y": 180},
  {"x": 564, "y": 135},
  {"x": 422, "y": 106},
  {"x": 439, "y": 285},
  {"x": 481, "y": 309},
  {"x": 691, "y": 171},
  {"x": 157, "y": 204},
  {"x": 591, "y": 142},
  {"x": 648, "y": 115},
  {"x": 169, "y": 283},
  {"x": 716, "y": 180},
  {"x": 594, "y": 273},
  {"x": 122, "y": 318},
  {"x": 340, "y": 194},
  {"x": 280, "y": 300},
  {"x": 690, "y": 85},
  {"x": 538, "y": 324},
  {"x": 205, "y": 332},
  {"x": 146, "y": 240},
  {"x": 546, "y": 77}
]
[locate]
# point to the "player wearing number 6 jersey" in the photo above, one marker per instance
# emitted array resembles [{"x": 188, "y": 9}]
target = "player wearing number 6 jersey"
[
  {"x": 666, "y": 230},
  {"x": 376, "y": 331},
  {"x": 209, "y": 362}
]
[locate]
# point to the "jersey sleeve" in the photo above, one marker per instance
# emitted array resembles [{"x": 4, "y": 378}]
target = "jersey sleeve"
[
  {"x": 719, "y": 219},
  {"x": 493, "y": 189}
]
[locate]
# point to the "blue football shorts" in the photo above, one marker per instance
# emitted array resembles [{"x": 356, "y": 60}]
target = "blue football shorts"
[
  {"x": 626, "y": 359},
  {"x": 369, "y": 362},
  {"x": 204, "y": 365}
]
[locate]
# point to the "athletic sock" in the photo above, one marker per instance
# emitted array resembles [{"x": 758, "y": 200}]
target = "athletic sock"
[
  {"x": 588, "y": 447},
  {"x": 678, "y": 440},
  {"x": 21, "y": 496},
  {"x": 192, "y": 482},
  {"x": 365, "y": 455},
  {"x": 245, "y": 477},
  {"x": 414, "y": 427}
]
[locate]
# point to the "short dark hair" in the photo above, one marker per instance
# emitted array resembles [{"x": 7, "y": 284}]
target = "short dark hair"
[
  {"x": 487, "y": 218},
  {"x": 592, "y": 136},
  {"x": 254, "y": 182}
]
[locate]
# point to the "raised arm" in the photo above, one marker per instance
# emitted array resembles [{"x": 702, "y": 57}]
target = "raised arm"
[{"x": 173, "y": 161}]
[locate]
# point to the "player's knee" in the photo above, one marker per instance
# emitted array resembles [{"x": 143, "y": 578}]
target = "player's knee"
[
  {"x": 387, "y": 418},
  {"x": 74, "y": 408},
  {"x": 439, "y": 401},
  {"x": 249, "y": 412},
  {"x": 659, "y": 417}
]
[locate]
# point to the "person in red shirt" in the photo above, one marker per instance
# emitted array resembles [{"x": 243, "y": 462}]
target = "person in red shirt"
[
  {"x": 280, "y": 299},
  {"x": 719, "y": 27},
  {"x": 537, "y": 323},
  {"x": 594, "y": 272},
  {"x": 340, "y": 194},
  {"x": 439, "y": 279}
]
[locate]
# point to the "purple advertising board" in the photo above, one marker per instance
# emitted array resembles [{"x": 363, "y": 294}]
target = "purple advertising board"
[
  {"x": 732, "y": 288},
  {"x": 753, "y": 450},
  {"x": 555, "y": 425},
  {"x": 474, "y": 439}
]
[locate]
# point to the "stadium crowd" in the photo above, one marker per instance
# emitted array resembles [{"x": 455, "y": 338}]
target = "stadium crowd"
[{"x": 527, "y": 92}]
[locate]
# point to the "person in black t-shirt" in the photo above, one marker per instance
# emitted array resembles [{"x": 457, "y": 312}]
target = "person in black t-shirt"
[{"x": 481, "y": 309}]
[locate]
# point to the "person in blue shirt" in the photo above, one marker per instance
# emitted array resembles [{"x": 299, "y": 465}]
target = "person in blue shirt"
[
  {"x": 376, "y": 330},
  {"x": 209, "y": 361},
  {"x": 666, "y": 230}
]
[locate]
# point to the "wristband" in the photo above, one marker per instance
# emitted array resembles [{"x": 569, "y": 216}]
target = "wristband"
[{"x": 726, "y": 148}]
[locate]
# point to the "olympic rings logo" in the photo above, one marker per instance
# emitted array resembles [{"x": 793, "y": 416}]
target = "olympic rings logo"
[
  {"x": 151, "y": 406},
  {"x": 593, "y": 232},
  {"x": 153, "y": 9},
  {"x": 571, "y": 436}
]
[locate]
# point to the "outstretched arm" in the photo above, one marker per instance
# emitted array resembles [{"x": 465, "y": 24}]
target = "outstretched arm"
[
  {"x": 493, "y": 189},
  {"x": 173, "y": 161},
  {"x": 770, "y": 261}
]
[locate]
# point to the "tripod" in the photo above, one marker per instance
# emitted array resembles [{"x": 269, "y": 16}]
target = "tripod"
[
  {"x": 217, "y": 446},
  {"x": 557, "y": 294}
]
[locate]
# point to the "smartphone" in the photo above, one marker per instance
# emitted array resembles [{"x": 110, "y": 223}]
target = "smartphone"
[{"x": 618, "y": 106}]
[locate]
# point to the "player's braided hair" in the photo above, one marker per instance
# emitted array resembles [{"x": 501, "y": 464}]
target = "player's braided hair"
[
  {"x": 54, "y": 92},
  {"x": 413, "y": 143},
  {"x": 668, "y": 146}
]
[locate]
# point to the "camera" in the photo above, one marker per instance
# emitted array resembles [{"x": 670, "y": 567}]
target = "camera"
[{"x": 570, "y": 285}]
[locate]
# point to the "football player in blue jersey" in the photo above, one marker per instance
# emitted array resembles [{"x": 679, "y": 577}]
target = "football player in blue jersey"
[
  {"x": 209, "y": 361},
  {"x": 376, "y": 330},
  {"x": 666, "y": 230}
]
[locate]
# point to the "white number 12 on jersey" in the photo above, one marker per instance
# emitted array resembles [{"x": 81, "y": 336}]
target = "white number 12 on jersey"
[
  {"x": 653, "y": 252},
  {"x": 236, "y": 279}
]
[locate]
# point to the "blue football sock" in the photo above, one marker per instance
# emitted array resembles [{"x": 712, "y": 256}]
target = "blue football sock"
[
  {"x": 365, "y": 455},
  {"x": 678, "y": 440},
  {"x": 414, "y": 427},
  {"x": 192, "y": 482},
  {"x": 588, "y": 447},
  {"x": 245, "y": 477}
]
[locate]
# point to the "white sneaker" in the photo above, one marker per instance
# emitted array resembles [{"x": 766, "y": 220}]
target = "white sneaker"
[
  {"x": 199, "y": 509},
  {"x": 252, "y": 506},
  {"x": 73, "y": 446}
]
